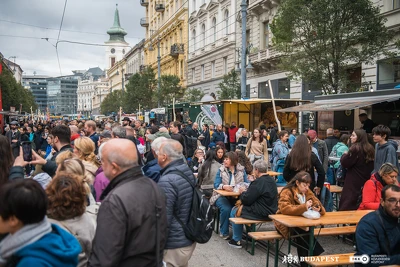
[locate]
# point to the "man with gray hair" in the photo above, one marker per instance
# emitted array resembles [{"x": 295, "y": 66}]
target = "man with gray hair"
[
  {"x": 152, "y": 169},
  {"x": 330, "y": 140},
  {"x": 118, "y": 132},
  {"x": 259, "y": 200},
  {"x": 132, "y": 215},
  {"x": 178, "y": 248}
]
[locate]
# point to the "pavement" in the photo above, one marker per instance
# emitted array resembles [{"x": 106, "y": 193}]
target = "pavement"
[{"x": 218, "y": 253}]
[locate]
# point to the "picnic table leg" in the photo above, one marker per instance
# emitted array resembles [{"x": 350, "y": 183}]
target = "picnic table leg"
[
  {"x": 267, "y": 253},
  {"x": 252, "y": 228},
  {"x": 311, "y": 242},
  {"x": 276, "y": 253}
]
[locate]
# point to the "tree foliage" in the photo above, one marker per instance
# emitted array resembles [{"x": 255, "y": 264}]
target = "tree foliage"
[
  {"x": 14, "y": 94},
  {"x": 169, "y": 89},
  {"x": 230, "y": 86},
  {"x": 112, "y": 102},
  {"x": 321, "y": 39},
  {"x": 193, "y": 95},
  {"x": 141, "y": 90}
]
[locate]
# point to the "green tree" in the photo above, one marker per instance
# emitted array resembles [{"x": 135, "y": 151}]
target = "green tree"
[
  {"x": 112, "y": 102},
  {"x": 14, "y": 94},
  {"x": 321, "y": 39},
  {"x": 193, "y": 95},
  {"x": 230, "y": 86},
  {"x": 170, "y": 88},
  {"x": 140, "y": 90}
]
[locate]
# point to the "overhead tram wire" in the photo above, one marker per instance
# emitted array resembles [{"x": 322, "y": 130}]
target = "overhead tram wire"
[{"x": 58, "y": 38}]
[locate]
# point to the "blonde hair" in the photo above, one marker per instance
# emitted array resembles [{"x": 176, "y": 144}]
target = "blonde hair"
[
  {"x": 86, "y": 147},
  {"x": 68, "y": 154},
  {"x": 75, "y": 166}
]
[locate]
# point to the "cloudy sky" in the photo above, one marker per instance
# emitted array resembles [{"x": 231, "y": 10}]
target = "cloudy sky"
[{"x": 84, "y": 21}]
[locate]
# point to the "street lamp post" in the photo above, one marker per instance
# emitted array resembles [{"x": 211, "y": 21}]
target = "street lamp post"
[
  {"x": 243, "y": 6},
  {"x": 158, "y": 67}
]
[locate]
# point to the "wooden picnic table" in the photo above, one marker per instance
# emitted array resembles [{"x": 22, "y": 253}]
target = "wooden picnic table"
[
  {"x": 338, "y": 217},
  {"x": 227, "y": 193}
]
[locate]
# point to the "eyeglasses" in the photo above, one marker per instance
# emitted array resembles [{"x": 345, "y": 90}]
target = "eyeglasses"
[{"x": 393, "y": 201}]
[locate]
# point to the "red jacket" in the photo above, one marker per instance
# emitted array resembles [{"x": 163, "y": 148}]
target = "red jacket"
[
  {"x": 371, "y": 195},
  {"x": 232, "y": 134}
]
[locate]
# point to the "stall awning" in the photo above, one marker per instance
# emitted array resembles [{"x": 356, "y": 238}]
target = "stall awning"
[
  {"x": 248, "y": 101},
  {"x": 342, "y": 104}
]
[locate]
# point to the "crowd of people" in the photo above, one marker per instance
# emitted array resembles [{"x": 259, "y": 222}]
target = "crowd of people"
[{"x": 110, "y": 194}]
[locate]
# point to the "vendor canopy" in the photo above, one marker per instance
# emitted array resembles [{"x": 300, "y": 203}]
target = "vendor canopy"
[{"x": 338, "y": 104}]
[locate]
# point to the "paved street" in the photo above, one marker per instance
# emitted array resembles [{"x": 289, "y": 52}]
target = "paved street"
[{"x": 217, "y": 252}]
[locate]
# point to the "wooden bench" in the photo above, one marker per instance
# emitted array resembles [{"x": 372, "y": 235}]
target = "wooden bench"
[
  {"x": 252, "y": 225},
  {"x": 343, "y": 259},
  {"x": 274, "y": 235}
]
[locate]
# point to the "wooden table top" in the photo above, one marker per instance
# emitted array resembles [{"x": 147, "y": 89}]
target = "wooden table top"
[
  {"x": 227, "y": 193},
  {"x": 336, "y": 189},
  {"x": 338, "y": 217}
]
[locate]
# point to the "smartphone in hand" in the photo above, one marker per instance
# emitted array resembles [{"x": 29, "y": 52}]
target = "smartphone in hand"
[{"x": 27, "y": 150}]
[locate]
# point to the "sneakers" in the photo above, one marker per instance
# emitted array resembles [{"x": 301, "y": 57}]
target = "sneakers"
[
  {"x": 235, "y": 244},
  {"x": 226, "y": 237}
]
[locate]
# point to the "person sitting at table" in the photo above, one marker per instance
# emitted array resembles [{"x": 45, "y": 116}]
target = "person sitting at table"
[
  {"x": 207, "y": 172},
  {"x": 295, "y": 199},
  {"x": 197, "y": 160},
  {"x": 378, "y": 233},
  {"x": 301, "y": 158},
  {"x": 371, "y": 193},
  {"x": 258, "y": 202},
  {"x": 228, "y": 175}
]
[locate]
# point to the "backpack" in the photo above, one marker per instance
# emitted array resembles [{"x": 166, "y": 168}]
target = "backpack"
[
  {"x": 333, "y": 154},
  {"x": 190, "y": 145},
  {"x": 199, "y": 227}
]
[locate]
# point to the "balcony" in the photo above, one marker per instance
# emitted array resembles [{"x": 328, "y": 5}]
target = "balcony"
[
  {"x": 144, "y": 2},
  {"x": 142, "y": 68},
  {"x": 177, "y": 49},
  {"x": 265, "y": 55},
  {"x": 160, "y": 7},
  {"x": 144, "y": 22}
]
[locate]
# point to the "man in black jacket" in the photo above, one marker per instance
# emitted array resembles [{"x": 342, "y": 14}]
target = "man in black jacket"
[
  {"x": 259, "y": 200},
  {"x": 178, "y": 248},
  {"x": 378, "y": 233},
  {"x": 61, "y": 143},
  {"x": 126, "y": 231},
  {"x": 330, "y": 140}
]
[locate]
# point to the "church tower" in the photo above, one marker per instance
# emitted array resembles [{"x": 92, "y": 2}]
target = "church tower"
[{"x": 116, "y": 45}]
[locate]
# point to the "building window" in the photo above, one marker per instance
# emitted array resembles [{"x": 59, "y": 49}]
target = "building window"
[
  {"x": 203, "y": 34},
  {"x": 194, "y": 39},
  {"x": 193, "y": 75},
  {"x": 112, "y": 62},
  {"x": 226, "y": 22},
  {"x": 214, "y": 29},
  {"x": 284, "y": 88},
  {"x": 265, "y": 36},
  {"x": 202, "y": 72},
  {"x": 389, "y": 73},
  {"x": 225, "y": 64},
  {"x": 212, "y": 69},
  {"x": 396, "y": 4}
]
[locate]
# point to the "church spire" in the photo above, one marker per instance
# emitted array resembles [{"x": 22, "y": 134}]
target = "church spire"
[{"x": 116, "y": 32}]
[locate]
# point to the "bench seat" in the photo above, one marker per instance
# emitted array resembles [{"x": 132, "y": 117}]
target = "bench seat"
[
  {"x": 268, "y": 235},
  {"x": 239, "y": 220},
  {"x": 343, "y": 259},
  {"x": 342, "y": 230}
]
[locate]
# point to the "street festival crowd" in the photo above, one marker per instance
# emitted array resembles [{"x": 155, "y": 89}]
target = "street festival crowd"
[{"x": 105, "y": 194}]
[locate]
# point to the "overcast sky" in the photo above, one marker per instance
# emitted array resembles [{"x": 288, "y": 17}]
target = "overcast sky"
[{"x": 94, "y": 16}]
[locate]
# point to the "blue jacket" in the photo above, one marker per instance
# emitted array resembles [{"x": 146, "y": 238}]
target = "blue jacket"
[
  {"x": 217, "y": 137},
  {"x": 279, "y": 153},
  {"x": 152, "y": 170},
  {"x": 179, "y": 195},
  {"x": 292, "y": 139},
  {"x": 371, "y": 240},
  {"x": 385, "y": 153},
  {"x": 58, "y": 248}
]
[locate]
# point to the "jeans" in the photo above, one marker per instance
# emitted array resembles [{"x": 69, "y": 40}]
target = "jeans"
[
  {"x": 232, "y": 147},
  {"x": 330, "y": 177},
  {"x": 225, "y": 207},
  {"x": 237, "y": 228}
]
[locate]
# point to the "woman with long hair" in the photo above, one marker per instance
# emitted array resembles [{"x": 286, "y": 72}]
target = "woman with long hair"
[
  {"x": 207, "y": 172},
  {"x": 220, "y": 153},
  {"x": 295, "y": 199},
  {"x": 301, "y": 158},
  {"x": 256, "y": 147},
  {"x": 6, "y": 159},
  {"x": 279, "y": 154},
  {"x": 244, "y": 161},
  {"x": 371, "y": 193},
  {"x": 67, "y": 204},
  {"x": 359, "y": 163},
  {"x": 197, "y": 160},
  {"x": 229, "y": 174},
  {"x": 84, "y": 148}
]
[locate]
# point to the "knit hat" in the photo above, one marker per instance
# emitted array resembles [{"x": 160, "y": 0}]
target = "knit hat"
[{"x": 312, "y": 134}]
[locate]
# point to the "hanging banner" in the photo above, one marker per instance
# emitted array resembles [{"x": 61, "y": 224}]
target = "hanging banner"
[{"x": 211, "y": 111}]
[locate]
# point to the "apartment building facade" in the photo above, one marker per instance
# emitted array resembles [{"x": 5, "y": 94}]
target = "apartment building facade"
[{"x": 167, "y": 36}]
